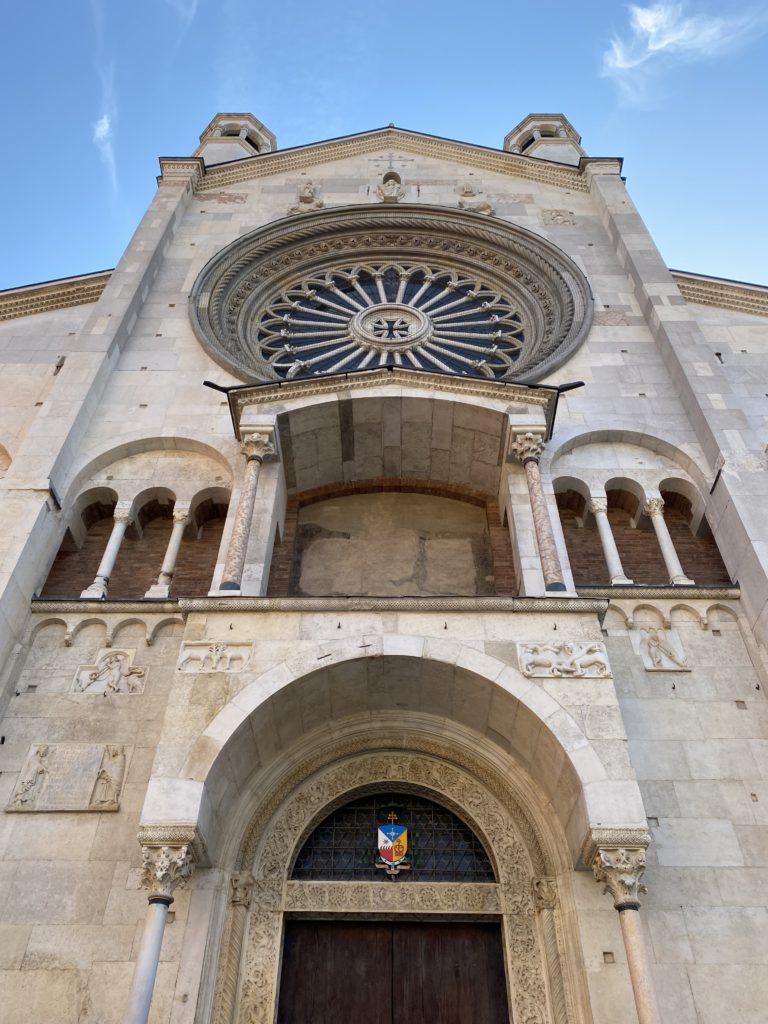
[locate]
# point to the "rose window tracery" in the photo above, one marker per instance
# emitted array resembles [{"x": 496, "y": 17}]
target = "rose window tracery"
[
  {"x": 415, "y": 288},
  {"x": 416, "y": 316}
]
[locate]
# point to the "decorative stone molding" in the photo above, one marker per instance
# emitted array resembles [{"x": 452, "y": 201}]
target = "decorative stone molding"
[
  {"x": 640, "y": 591},
  {"x": 476, "y": 157},
  {"x": 631, "y": 836},
  {"x": 622, "y": 871},
  {"x": 188, "y": 171},
  {"x": 395, "y": 604},
  {"x": 198, "y": 656},
  {"x": 113, "y": 672},
  {"x": 547, "y": 289},
  {"x": 526, "y": 447},
  {"x": 386, "y": 897},
  {"x": 43, "y": 298},
  {"x": 563, "y": 659},
  {"x": 174, "y": 835},
  {"x": 164, "y": 868},
  {"x": 735, "y": 295}
]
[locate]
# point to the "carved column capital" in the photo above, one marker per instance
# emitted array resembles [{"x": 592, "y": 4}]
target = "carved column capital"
[
  {"x": 622, "y": 871},
  {"x": 164, "y": 868},
  {"x": 258, "y": 446},
  {"x": 527, "y": 447},
  {"x": 654, "y": 507},
  {"x": 598, "y": 505},
  {"x": 122, "y": 514},
  {"x": 181, "y": 515},
  {"x": 242, "y": 889}
]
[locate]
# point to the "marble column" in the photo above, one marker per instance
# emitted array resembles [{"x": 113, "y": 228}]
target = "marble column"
[
  {"x": 622, "y": 871},
  {"x": 165, "y": 867},
  {"x": 122, "y": 517},
  {"x": 599, "y": 509},
  {"x": 255, "y": 447},
  {"x": 162, "y": 588},
  {"x": 527, "y": 448},
  {"x": 654, "y": 507}
]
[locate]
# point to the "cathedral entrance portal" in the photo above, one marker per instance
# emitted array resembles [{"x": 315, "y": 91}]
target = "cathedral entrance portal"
[{"x": 386, "y": 972}]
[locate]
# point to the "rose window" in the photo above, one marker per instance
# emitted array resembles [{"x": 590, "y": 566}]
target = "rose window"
[{"x": 390, "y": 315}]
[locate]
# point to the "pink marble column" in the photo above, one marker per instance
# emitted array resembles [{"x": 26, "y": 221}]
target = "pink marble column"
[
  {"x": 622, "y": 871},
  {"x": 527, "y": 449},
  {"x": 255, "y": 448}
]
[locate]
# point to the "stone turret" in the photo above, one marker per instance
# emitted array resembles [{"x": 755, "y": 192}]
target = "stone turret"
[
  {"x": 547, "y": 137},
  {"x": 234, "y": 137}
]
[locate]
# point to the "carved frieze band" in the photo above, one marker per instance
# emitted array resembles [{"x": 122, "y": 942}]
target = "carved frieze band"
[{"x": 366, "y": 897}]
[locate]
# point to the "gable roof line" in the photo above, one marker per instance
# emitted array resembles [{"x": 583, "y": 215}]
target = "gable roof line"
[{"x": 299, "y": 157}]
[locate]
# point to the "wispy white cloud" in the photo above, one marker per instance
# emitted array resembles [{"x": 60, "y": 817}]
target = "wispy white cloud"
[
  {"x": 104, "y": 127},
  {"x": 186, "y": 10},
  {"x": 662, "y": 34}
]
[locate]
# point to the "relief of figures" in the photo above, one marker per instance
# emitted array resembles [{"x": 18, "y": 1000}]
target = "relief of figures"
[
  {"x": 564, "y": 659},
  {"x": 70, "y": 777},
  {"x": 109, "y": 778},
  {"x": 32, "y": 780},
  {"x": 213, "y": 656},
  {"x": 307, "y": 199},
  {"x": 113, "y": 672}
]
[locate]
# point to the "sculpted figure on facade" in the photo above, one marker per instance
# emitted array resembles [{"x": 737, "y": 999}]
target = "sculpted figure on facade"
[
  {"x": 659, "y": 649},
  {"x": 29, "y": 788},
  {"x": 307, "y": 199},
  {"x": 390, "y": 191},
  {"x": 563, "y": 658},
  {"x": 469, "y": 200},
  {"x": 106, "y": 791},
  {"x": 112, "y": 673}
]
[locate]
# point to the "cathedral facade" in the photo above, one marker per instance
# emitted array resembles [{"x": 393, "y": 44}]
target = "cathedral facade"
[{"x": 384, "y": 601}]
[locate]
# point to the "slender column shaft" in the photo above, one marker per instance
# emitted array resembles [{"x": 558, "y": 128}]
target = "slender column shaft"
[
  {"x": 143, "y": 983},
  {"x": 100, "y": 584},
  {"x": 655, "y": 509},
  {"x": 162, "y": 588},
  {"x": 545, "y": 537},
  {"x": 599, "y": 508},
  {"x": 164, "y": 868},
  {"x": 255, "y": 448},
  {"x": 639, "y": 970},
  {"x": 622, "y": 870}
]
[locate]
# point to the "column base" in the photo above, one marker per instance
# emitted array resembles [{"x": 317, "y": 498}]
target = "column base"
[
  {"x": 229, "y": 585},
  {"x": 555, "y": 587},
  {"x": 97, "y": 591},
  {"x": 682, "y": 581},
  {"x": 158, "y": 590},
  {"x": 621, "y": 581}
]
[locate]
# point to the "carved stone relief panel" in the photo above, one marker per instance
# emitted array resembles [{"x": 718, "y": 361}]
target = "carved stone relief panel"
[
  {"x": 563, "y": 659},
  {"x": 661, "y": 650},
  {"x": 113, "y": 671},
  {"x": 213, "y": 656},
  {"x": 558, "y": 217},
  {"x": 70, "y": 777}
]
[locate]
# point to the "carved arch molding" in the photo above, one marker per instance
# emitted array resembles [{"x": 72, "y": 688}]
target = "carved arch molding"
[
  {"x": 507, "y": 303},
  {"x": 535, "y": 907}
]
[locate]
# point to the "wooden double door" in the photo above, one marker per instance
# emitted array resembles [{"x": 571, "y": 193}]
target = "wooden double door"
[{"x": 387, "y": 972}]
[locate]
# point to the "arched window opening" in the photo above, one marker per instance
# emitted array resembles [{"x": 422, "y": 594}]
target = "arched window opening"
[
  {"x": 200, "y": 547},
  {"x": 697, "y": 551},
  {"x": 81, "y": 549},
  {"x": 585, "y": 552},
  {"x": 142, "y": 551},
  {"x": 435, "y": 845}
]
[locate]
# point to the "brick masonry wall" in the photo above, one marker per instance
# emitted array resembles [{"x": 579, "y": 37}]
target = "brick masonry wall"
[{"x": 284, "y": 554}]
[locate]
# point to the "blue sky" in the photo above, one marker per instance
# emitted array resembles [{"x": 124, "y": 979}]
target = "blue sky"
[{"x": 94, "y": 92}]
